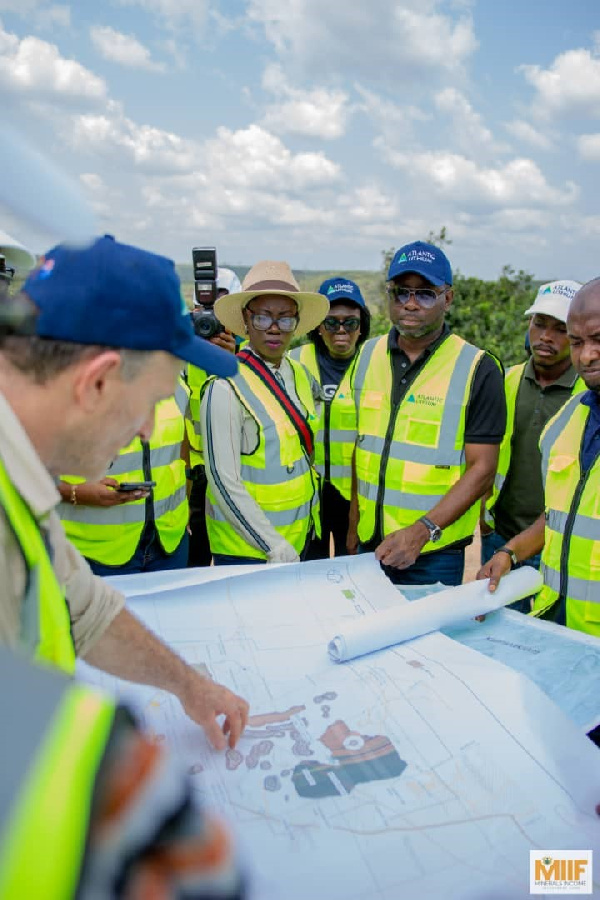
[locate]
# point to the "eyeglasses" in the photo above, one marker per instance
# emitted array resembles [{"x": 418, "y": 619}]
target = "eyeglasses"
[
  {"x": 425, "y": 297},
  {"x": 263, "y": 321},
  {"x": 352, "y": 323}
]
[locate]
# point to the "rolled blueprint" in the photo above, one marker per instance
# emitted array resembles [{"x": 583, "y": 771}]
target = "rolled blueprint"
[{"x": 430, "y": 613}]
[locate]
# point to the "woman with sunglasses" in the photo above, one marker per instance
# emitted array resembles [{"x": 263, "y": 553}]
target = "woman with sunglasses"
[
  {"x": 330, "y": 357},
  {"x": 258, "y": 428}
]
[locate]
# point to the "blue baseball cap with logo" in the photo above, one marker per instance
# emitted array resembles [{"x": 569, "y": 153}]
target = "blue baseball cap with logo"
[
  {"x": 342, "y": 289},
  {"x": 425, "y": 259},
  {"x": 116, "y": 295}
]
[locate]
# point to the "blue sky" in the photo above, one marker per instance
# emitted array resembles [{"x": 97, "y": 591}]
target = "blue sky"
[{"x": 319, "y": 131}]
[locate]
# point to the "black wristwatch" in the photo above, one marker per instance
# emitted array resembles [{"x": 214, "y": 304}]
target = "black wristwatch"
[
  {"x": 511, "y": 553},
  {"x": 435, "y": 532}
]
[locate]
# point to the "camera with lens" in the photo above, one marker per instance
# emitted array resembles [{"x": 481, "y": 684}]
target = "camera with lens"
[{"x": 206, "y": 324}]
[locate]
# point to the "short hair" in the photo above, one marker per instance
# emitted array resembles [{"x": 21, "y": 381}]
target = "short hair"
[{"x": 42, "y": 359}]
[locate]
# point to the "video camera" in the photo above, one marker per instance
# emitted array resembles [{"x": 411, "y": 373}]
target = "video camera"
[{"x": 206, "y": 324}]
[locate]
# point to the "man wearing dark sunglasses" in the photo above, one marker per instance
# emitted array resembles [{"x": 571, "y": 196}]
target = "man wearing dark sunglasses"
[
  {"x": 431, "y": 416},
  {"x": 330, "y": 358}
]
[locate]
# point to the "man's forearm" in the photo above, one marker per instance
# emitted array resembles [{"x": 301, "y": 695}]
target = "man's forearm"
[
  {"x": 530, "y": 541},
  {"x": 131, "y": 651}
]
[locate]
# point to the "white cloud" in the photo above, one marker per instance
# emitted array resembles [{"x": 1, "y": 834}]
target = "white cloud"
[
  {"x": 124, "y": 49},
  {"x": 113, "y": 135},
  {"x": 253, "y": 157},
  {"x": 515, "y": 184},
  {"x": 394, "y": 121},
  {"x": 382, "y": 39},
  {"x": 36, "y": 69},
  {"x": 319, "y": 112},
  {"x": 470, "y": 133},
  {"x": 570, "y": 87},
  {"x": 589, "y": 147},
  {"x": 526, "y": 132},
  {"x": 176, "y": 14}
]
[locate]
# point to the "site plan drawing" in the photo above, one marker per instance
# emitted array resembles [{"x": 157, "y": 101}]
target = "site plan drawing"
[{"x": 425, "y": 770}]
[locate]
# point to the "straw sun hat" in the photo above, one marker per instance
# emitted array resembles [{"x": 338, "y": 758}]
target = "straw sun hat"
[{"x": 271, "y": 278}]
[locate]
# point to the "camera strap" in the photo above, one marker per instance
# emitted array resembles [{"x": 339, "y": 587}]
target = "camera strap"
[{"x": 262, "y": 371}]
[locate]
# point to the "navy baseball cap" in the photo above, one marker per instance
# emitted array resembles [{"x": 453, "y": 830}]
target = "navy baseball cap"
[
  {"x": 424, "y": 259},
  {"x": 116, "y": 295},
  {"x": 342, "y": 289}
]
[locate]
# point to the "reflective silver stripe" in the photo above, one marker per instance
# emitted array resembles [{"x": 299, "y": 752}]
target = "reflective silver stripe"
[
  {"x": 499, "y": 481},
  {"x": 181, "y": 398},
  {"x": 274, "y": 475},
  {"x": 367, "y": 490},
  {"x": 279, "y": 518},
  {"x": 126, "y": 462},
  {"x": 29, "y": 632},
  {"x": 554, "y": 430},
  {"x": 337, "y": 472},
  {"x": 582, "y": 589},
  {"x": 402, "y": 500},
  {"x": 364, "y": 358},
  {"x": 31, "y": 703},
  {"x": 124, "y": 514},
  {"x": 133, "y": 461},
  {"x": 583, "y": 526},
  {"x": 370, "y": 443},
  {"x": 339, "y": 436}
]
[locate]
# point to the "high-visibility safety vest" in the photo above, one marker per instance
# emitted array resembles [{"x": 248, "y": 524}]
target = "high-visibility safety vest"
[
  {"x": 512, "y": 383},
  {"x": 196, "y": 379},
  {"x": 277, "y": 474},
  {"x": 408, "y": 458},
  {"x": 336, "y": 434},
  {"x": 571, "y": 554},
  {"x": 50, "y": 758},
  {"x": 45, "y": 632},
  {"x": 110, "y": 534}
]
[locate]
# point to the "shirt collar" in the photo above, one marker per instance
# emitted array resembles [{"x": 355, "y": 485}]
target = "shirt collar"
[
  {"x": 24, "y": 468},
  {"x": 591, "y": 399},
  {"x": 567, "y": 379}
]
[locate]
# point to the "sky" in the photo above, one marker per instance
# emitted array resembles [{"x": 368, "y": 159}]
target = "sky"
[{"x": 322, "y": 132}]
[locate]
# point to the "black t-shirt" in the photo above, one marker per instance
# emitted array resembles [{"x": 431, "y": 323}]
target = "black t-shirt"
[{"x": 332, "y": 371}]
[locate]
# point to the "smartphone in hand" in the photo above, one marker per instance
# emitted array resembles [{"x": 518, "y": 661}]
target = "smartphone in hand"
[{"x": 136, "y": 486}]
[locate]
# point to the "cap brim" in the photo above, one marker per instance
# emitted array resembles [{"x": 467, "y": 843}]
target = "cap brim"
[
  {"x": 312, "y": 309},
  {"x": 547, "y": 309},
  {"x": 423, "y": 272},
  {"x": 201, "y": 353}
]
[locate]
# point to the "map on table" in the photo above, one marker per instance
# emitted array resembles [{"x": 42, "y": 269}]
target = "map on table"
[{"x": 420, "y": 771}]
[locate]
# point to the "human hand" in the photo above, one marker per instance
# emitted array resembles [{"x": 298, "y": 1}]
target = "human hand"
[
  {"x": 105, "y": 493},
  {"x": 495, "y": 569},
  {"x": 225, "y": 340},
  {"x": 205, "y": 700},
  {"x": 283, "y": 553},
  {"x": 401, "y": 548}
]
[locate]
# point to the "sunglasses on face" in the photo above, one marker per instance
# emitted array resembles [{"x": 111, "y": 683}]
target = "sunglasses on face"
[
  {"x": 263, "y": 321},
  {"x": 352, "y": 323},
  {"x": 425, "y": 297}
]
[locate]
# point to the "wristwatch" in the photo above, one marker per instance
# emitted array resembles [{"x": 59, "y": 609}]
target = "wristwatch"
[
  {"x": 435, "y": 532},
  {"x": 511, "y": 553}
]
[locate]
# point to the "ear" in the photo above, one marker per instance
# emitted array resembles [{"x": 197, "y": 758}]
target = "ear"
[
  {"x": 97, "y": 379},
  {"x": 449, "y": 298}
]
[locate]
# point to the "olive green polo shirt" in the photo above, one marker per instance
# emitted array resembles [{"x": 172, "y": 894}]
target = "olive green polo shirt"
[{"x": 522, "y": 497}]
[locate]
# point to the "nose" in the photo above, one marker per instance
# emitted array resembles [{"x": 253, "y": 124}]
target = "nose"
[{"x": 411, "y": 303}]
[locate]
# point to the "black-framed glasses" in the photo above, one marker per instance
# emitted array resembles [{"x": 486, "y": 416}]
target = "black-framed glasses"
[
  {"x": 425, "y": 297},
  {"x": 352, "y": 323},
  {"x": 263, "y": 321}
]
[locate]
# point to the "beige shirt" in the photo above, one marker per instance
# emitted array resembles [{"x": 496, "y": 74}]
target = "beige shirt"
[{"x": 92, "y": 603}]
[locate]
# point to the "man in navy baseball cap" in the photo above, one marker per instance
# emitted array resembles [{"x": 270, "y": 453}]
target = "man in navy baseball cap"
[
  {"x": 431, "y": 416},
  {"x": 106, "y": 335}
]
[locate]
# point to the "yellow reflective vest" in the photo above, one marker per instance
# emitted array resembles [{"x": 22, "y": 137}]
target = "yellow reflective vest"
[
  {"x": 571, "y": 554},
  {"x": 408, "y": 458},
  {"x": 196, "y": 379},
  {"x": 45, "y": 632},
  {"x": 336, "y": 434},
  {"x": 110, "y": 535},
  {"x": 49, "y": 769},
  {"x": 512, "y": 382},
  {"x": 278, "y": 474}
]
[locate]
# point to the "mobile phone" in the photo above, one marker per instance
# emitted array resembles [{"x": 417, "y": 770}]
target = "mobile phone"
[{"x": 136, "y": 485}]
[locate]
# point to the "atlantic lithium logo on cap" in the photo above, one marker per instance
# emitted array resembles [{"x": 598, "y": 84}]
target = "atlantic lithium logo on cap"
[
  {"x": 560, "y": 288},
  {"x": 340, "y": 287},
  {"x": 425, "y": 256}
]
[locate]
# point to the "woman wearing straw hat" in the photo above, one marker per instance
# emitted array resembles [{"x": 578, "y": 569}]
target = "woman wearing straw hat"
[{"x": 258, "y": 427}]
